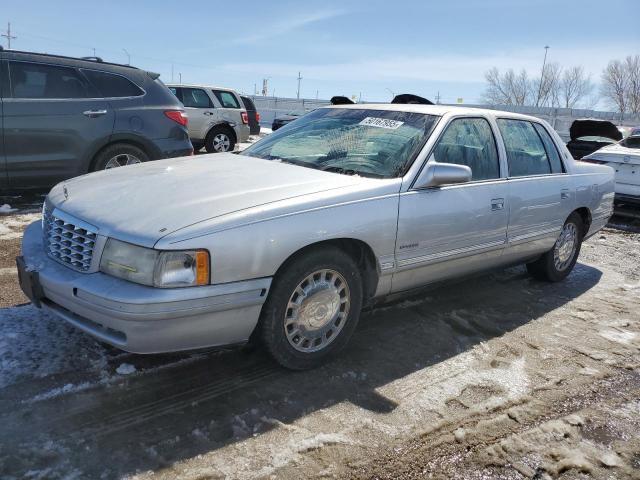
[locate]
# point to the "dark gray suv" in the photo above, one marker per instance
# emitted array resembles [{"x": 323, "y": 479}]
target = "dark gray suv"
[{"x": 61, "y": 117}]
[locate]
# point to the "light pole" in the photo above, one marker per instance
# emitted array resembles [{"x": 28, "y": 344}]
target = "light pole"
[
  {"x": 546, "y": 49},
  {"x": 128, "y": 56},
  {"x": 299, "y": 80},
  {"x": 391, "y": 92}
]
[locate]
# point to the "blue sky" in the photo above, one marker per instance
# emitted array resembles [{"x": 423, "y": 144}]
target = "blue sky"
[{"x": 366, "y": 48}]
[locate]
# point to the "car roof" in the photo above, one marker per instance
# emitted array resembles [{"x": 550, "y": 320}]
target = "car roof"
[
  {"x": 200, "y": 85},
  {"x": 439, "y": 110}
]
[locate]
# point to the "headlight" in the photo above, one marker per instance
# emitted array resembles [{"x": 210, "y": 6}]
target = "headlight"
[{"x": 155, "y": 268}]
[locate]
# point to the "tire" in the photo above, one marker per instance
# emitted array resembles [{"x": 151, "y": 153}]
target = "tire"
[
  {"x": 117, "y": 155},
  {"x": 558, "y": 262},
  {"x": 219, "y": 140},
  {"x": 328, "y": 312}
]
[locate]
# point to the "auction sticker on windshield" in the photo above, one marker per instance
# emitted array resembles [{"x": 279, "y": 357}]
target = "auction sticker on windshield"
[{"x": 381, "y": 123}]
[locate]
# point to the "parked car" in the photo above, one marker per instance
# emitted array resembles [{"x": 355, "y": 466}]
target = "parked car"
[
  {"x": 62, "y": 117},
  {"x": 589, "y": 135},
  {"x": 635, "y": 131},
  {"x": 217, "y": 117},
  {"x": 254, "y": 115},
  {"x": 282, "y": 120},
  {"x": 624, "y": 157},
  {"x": 287, "y": 241}
]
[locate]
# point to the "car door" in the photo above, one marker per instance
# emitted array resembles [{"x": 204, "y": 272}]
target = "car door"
[
  {"x": 3, "y": 87},
  {"x": 52, "y": 122},
  {"x": 200, "y": 110},
  {"x": 452, "y": 230},
  {"x": 540, "y": 193}
]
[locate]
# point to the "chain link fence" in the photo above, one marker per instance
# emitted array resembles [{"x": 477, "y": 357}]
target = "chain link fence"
[{"x": 559, "y": 118}]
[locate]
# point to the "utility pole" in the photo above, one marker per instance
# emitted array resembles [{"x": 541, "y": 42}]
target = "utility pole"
[
  {"x": 172, "y": 73},
  {"x": 8, "y": 36},
  {"x": 546, "y": 49},
  {"x": 180, "y": 77},
  {"x": 94, "y": 51},
  {"x": 438, "y": 98},
  {"x": 128, "y": 56},
  {"x": 299, "y": 80}
]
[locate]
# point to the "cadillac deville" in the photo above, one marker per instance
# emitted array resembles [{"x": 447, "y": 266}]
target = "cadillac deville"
[{"x": 287, "y": 241}]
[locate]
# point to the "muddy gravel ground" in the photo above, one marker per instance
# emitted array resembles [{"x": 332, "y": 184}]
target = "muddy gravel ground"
[{"x": 496, "y": 376}]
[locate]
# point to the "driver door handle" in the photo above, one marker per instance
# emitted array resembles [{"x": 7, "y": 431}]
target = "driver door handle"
[
  {"x": 94, "y": 113},
  {"x": 208, "y": 113},
  {"x": 497, "y": 204}
]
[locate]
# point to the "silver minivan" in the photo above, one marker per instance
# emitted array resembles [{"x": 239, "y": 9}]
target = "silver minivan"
[{"x": 217, "y": 117}]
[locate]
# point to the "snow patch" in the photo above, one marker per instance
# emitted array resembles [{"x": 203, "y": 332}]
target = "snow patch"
[
  {"x": 125, "y": 369},
  {"x": 6, "y": 208}
]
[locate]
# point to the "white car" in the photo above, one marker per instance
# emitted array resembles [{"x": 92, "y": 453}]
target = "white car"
[
  {"x": 624, "y": 157},
  {"x": 218, "y": 119}
]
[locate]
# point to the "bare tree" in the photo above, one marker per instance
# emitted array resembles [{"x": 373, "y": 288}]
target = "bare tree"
[
  {"x": 615, "y": 84},
  {"x": 632, "y": 66},
  {"x": 508, "y": 88},
  {"x": 575, "y": 86},
  {"x": 547, "y": 88}
]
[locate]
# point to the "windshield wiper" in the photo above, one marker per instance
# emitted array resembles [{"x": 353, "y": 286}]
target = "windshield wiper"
[
  {"x": 300, "y": 163},
  {"x": 349, "y": 171}
]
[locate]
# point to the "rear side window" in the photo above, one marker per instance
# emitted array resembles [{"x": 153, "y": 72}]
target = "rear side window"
[
  {"x": 470, "y": 142},
  {"x": 525, "y": 151},
  {"x": 36, "y": 80},
  {"x": 248, "y": 103},
  {"x": 177, "y": 92},
  {"x": 195, "y": 98},
  {"x": 112, "y": 86},
  {"x": 226, "y": 99},
  {"x": 550, "y": 147}
]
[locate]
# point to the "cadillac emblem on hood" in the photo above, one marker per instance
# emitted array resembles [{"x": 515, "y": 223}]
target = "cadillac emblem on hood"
[{"x": 66, "y": 192}]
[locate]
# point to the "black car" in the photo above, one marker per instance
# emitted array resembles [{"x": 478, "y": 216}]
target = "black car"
[
  {"x": 252, "y": 113},
  {"x": 588, "y": 135},
  {"x": 282, "y": 120},
  {"x": 62, "y": 117}
]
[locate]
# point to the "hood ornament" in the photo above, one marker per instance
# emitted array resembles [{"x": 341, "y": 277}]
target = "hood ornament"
[{"x": 66, "y": 192}]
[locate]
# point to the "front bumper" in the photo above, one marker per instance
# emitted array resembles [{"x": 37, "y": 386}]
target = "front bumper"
[{"x": 142, "y": 319}]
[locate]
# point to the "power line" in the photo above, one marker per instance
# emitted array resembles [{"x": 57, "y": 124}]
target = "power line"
[{"x": 8, "y": 36}]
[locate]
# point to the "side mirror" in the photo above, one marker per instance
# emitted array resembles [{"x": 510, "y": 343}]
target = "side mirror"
[{"x": 437, "y": 174}]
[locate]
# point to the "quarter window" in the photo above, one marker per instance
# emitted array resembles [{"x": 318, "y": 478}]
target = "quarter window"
[
  {"x": 112, "y": 86},
  {"x": 550, "y": 147},
  {"x": 470, "y": 142},
  {"x": 35, "y": 80},
  {"x": 525, "y": 151},
  {"x": 226, "y": 99},
  {"x": 196, "y": 98}
]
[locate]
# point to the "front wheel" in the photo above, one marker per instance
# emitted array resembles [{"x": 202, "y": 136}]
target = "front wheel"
[
  {"x": 558, "y": 262},
  {"x": 312, "y": 310}
]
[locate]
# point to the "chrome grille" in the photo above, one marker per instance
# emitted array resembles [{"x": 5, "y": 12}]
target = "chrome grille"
[{"x": 68, "y": 241}]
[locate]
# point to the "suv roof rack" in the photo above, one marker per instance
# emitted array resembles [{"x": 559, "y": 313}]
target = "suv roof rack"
[
  {"x": 93, "y": 59},
  {"x": 86, "y": 59}
]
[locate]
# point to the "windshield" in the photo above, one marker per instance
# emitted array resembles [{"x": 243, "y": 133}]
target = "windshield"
[
  {"x": 374, "y": 143},
  {"x": 631, "y": 142}
]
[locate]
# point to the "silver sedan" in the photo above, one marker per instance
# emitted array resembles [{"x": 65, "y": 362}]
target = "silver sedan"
[{"x": 286, "y": 242}]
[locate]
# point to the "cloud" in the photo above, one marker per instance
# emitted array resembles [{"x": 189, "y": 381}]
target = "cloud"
[{"x": 289, "y": 24}]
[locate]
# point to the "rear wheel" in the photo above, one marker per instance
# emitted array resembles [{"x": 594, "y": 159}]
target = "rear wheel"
[
  {"x": 312, "y": 310},
  {"x": 119, "y": 155},
  {"x": 558, "y": 262},
  {"x": 219, "y": 140}
]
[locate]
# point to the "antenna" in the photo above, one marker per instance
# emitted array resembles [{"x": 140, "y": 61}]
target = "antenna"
[{"x": 8, "y": 36}]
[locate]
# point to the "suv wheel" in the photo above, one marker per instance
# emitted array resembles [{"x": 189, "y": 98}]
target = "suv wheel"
[
  {"x": 219, "y": 140},
  {"x": 312, "y": 309},
  {"x": 558, "y": 262},
  {"x": 119, "y": 155}
]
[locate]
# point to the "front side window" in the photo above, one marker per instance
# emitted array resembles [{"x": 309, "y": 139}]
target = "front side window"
[
  {"x": 195, "y": 98},
  {"x": 112, "y": 86},
  {"x": 525, "y": 151},
  {"x": 35, "y": 80},
  {"x": 373, "y": 143},
  {"x": 226, "y": 99},
  {"x": 470, "y": 142}
]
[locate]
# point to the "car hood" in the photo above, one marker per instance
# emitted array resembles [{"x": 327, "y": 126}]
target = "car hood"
[
  {"x": 142, "y": 203},
  {"x": 287, "y": 118},
  {"x": 594, "y": 128}
]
